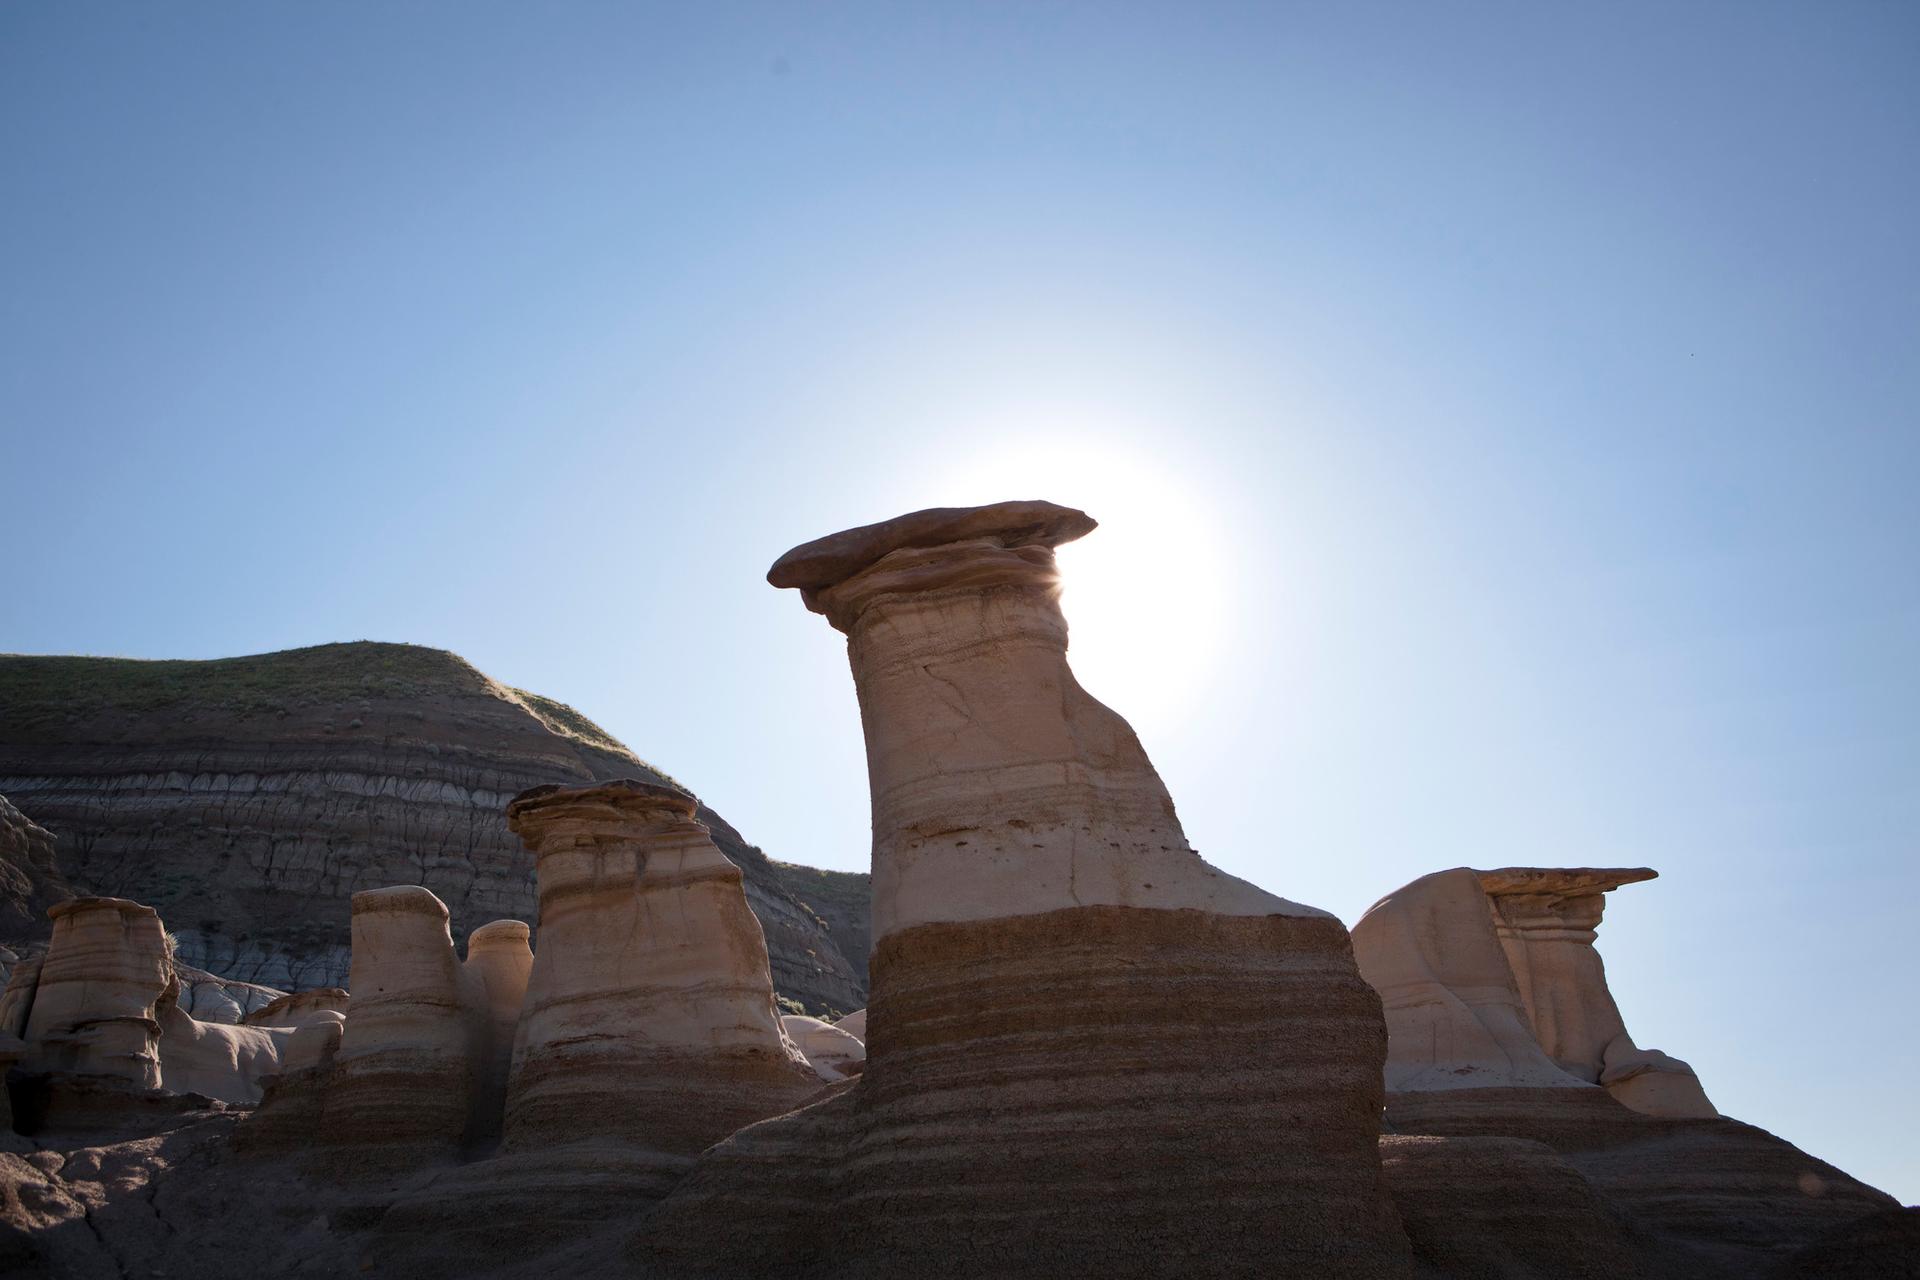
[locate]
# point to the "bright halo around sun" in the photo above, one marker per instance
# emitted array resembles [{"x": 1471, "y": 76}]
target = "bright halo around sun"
[{"x": 1145, "y": 593}]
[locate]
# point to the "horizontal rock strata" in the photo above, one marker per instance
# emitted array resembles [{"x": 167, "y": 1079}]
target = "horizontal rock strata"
[{"x": 248, "y": 799}]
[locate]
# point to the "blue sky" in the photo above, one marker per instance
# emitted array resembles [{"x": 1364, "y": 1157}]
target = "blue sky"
[{"x": 1502, "y": 417}]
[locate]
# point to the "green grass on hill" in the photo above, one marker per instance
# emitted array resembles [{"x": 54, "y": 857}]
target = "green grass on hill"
[{"x": 37, "y": 690}]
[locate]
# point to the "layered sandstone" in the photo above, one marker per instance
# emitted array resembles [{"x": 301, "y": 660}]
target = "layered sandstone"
[
  {"x": 649, "y": 1016},
  {"x": 404, "y": 1075},
  {"x": 501, "y": 960},
  {"x": 93, "y": 1003},
  {"x": 1064, "y": 996},
  {"x": 1546, "y": 920},
  {"x": 248, "y": 799}
]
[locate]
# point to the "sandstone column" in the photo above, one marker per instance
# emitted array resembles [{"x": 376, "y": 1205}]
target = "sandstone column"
[
  {"x": 1546, "y": 920},
  {"x": 404, "y": 1075},
  {"x": 649, "y": 1017},
  {"x": 93, "y": 1007},
  {"x": 500, "y": 959},
  {"x": 1090, "y": 1053}
]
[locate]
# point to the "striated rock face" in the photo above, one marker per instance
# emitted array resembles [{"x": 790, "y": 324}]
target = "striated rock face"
[
  {"x": 1546, "y": 920},
  {"x": 248, "y": 799},
  {"x": 30, "y": 878},
  {"x": 1455, "y": 1019},
  {"x": 1503, "y": 1207},
  {"x": 1704, "y": 1198},
  {"x": 93, "y": 1004},
  {"x": 404, "y": 1074},
  {"x": 500, "y": 959},
  {"x": 1064, "y": 995},
  {"x": 649, "y": 1017}
]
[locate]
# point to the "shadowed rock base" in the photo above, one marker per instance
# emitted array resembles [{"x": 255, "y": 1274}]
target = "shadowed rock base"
[
  {"x": 1502, "y": 1207},
  {"x": 1100, "y": 1091},
  {"x": 1706, "y": 1198}
]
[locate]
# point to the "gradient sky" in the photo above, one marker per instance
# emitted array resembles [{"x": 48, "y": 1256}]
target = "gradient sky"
[{"x": 1502, "y": 417}]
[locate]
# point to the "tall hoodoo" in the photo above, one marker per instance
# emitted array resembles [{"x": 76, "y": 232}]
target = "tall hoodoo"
[
  {"x": 409, "y": 1055},
  {"x": 500, "y": 958},
  {"x": 1000, "y": 787},
  {"x": 1546, "y": 920},
  {"x": 649, "y": 1015},
  {"x": 1064, "y": 996}
]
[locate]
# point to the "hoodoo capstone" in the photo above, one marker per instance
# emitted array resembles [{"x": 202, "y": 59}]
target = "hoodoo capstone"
[{"x": 1169, "y": 1045}]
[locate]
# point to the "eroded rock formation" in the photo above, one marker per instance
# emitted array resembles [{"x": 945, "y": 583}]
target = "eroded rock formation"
[
  {"x": 93, "y": 1002},
  {"x": 1150, "y": 1017},
  {"x": 248, "y": 799},
  {"x": 1545, "y": 919},
  {"x": 401, "y": 1092},
  {"x": 834, "y": 1053},
  {"x": 1455, "y": 1019},
  {"x": 30, "y": 877},
  {"x": 650, "y": 1014}
]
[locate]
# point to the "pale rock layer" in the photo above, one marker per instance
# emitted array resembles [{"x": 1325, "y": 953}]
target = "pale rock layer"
[
  {"x": 1455, "y": 1019},
  {"x": 832, "y": 1052},
  {"x": 649, "y": 1016},
  {"x": 1546, "y": 920}
]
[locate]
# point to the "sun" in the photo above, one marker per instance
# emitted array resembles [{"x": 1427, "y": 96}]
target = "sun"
[{"x": 1145, "y": 594}]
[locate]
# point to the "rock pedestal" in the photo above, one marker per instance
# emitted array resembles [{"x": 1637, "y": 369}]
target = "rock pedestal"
[
  {"x": 93, "y": 1009},
  {"x": 404, "y": 1076},
  {"x": 1546, "y": 920},
  {"x": 1089, "y": 1052},
  {"x": 649, "y": 1017}
]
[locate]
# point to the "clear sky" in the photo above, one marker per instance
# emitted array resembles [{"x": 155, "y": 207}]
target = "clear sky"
[{"x": 1503, "y": 418}]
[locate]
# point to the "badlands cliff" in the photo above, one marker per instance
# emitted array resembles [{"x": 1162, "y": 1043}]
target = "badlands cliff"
[{"x": 249, "y": 799}]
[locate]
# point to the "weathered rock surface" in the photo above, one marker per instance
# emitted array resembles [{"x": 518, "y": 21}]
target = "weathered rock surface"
[
  {"x": 30, "y": 878},
  {"x": 649, "y": 1016},
  {"x": 402, "y": 1090},
  {"x": 1703, "y": 1197},
  {"x": 93, "y": 1005},
  {"x": 1503, "y": 1207},
  {"x": 1545, "y": 919},
  {"x": 1064, "y": 995},
  {"x": 1455, "y": 1019},
  {"x": 833, "y": 1053},
  {"x": 248, "y": 799}
]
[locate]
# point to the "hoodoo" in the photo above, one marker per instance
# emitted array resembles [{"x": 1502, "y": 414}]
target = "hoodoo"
[
  {"x": 650, "y": 1013},
  {"x": 1083, "y": 1041},
  {"x": 1546, "y": 920},
  {"x": 404, "y": 1074}
]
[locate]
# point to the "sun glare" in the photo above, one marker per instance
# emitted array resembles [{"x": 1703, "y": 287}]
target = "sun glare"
[{"x": 1145, "y": 593}]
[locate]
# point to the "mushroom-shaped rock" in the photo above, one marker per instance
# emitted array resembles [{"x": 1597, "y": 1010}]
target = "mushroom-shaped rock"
[
  {"x": 1454, "y": 1017},
  {"x": 93, "y": 1007},
  {"x": 649, "y": 1016},
  {"x": 1064, "y": 995},
  {"x": 1546, "y": 918},
  {"x": 833, "y": 1053},
  {"x": 404, "y": 1074}
]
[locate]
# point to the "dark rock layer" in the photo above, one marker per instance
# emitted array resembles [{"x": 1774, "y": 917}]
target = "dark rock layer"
[
  {"x": 1095, "y": 1091},
  {"x": 248, "y": 799}
]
